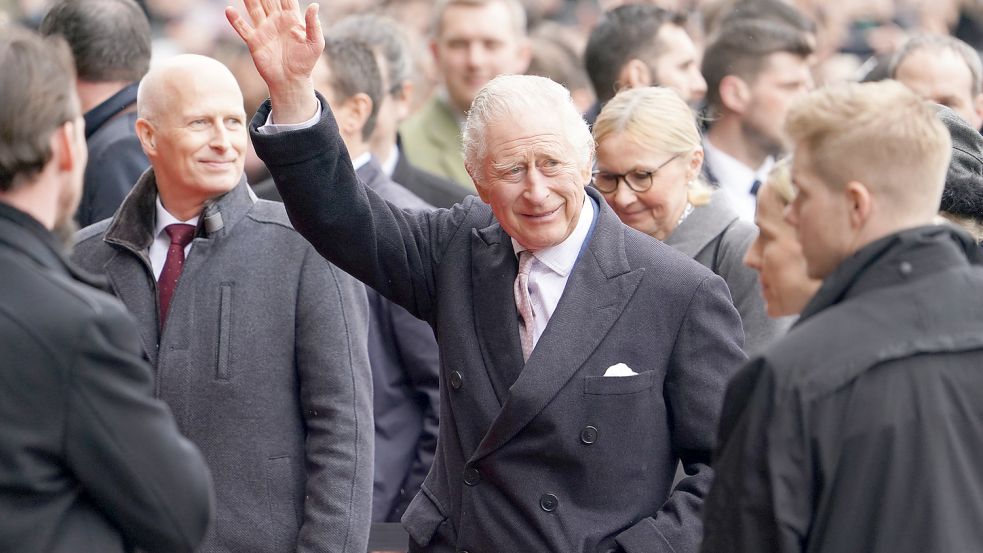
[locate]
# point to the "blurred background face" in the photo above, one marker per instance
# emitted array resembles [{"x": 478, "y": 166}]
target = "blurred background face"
[
  {"x": 941, "y": 76},
  {"x": 678, "y": 67},
  {"x": 476, "y": 44},
  {"x": 777, "y": 257},
  {"x": 657, "y": 210},
  {"x": 784, "y": 78}
]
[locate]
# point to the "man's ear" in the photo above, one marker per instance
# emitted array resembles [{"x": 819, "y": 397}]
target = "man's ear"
[
  {"x": 63, "y": 152},
  {"x": 859, "y": 202},
  {"x": 357, "y": 110},
  {"x": 147, "y": 135},
  {"x": 634, "y": 74},
  {"x": 735, "y": 94}
]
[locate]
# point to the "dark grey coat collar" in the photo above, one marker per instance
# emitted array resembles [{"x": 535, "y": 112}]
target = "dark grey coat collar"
[
  {"x": 133, "y": 225},
  {"x": 703, "y": 225}
]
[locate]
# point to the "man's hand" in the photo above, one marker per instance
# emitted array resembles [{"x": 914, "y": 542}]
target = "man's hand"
[{"x": 285, "y": 46}]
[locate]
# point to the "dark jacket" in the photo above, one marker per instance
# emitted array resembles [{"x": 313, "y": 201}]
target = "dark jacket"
[
  {"x": 116, "y": 159},
  {"x": 405, "y": 370},
  {"x": 862, "y": 429},
  {"x": 435, "y": 190},
  {"x": 549, "y": 455},
  {"x": 89, "y": 460},
  {"x": 263, "y": 361}
]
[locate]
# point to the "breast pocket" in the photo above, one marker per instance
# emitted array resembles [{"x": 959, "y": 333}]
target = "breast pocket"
[
  {"x": 618, "y": 385},
  {"x": 222, "y": 370}
]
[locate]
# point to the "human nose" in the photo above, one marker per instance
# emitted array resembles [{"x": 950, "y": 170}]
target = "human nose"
[
  {"x": 752, "y": 259},
  {"x": 698, "y": 84},
  {"x": 476, "y": 54},
  {"x": 622, "y": 196},
  {"x": 536, "y": 190},
  {"x": 220, "y": 138}
]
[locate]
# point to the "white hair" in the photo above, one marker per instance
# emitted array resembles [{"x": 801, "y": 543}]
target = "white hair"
[{"x": 512, "y": 96}]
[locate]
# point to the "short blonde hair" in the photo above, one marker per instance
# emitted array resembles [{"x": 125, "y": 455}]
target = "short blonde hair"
[
  {"x": 657, "y": 118},
  {"x": 780, "y": 180},
  {"x": 880, "y": 134}
]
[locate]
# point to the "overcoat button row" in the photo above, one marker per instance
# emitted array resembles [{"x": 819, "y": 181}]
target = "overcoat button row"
[
  {"x": 905, "y": 268},
  {"x": 548, "y": 502},
  {"x": 588, "y": 435},
  {"x": 456, "y": 380},
  {"x": 472, "y": 476}
]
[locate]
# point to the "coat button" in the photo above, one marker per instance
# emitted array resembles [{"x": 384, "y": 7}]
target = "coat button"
[
  {"x": 472, "y": 476},
  {"x": 588, "y": 435},
  {"x": 456, "y": 380},
  {"x": 905, "y": 268},
  {"x": 548, "y": 502}
]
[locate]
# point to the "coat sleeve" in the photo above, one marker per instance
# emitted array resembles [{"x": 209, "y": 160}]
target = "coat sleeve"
[
  {"x": 124, "y": 446},
  {"x": 708, "y": 350},
  {"x": 418, "y": 352},
  {"x": 392, "y": 250},
  {"x": 336, "y": 397}
]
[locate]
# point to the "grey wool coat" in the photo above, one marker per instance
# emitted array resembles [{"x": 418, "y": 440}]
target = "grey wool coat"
[
  {"x": 717, "y": 238},
  {"x": 547, "y": 455},
  {"x": 263, "y": 361}
]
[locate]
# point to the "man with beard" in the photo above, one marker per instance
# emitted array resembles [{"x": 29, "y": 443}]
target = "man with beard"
[
  {"x": 89, "y": 460},
  {"x": 754, "y": 70}
]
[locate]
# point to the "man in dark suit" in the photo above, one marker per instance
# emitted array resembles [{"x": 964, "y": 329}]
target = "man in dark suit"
[
  {"x": 560, "y": 430},
  {"x": 386, "y": 39},
  {"x": 89, "y": 460},
  {"x": 258, "y": 343},
  {"x": 110, "y": 40}
]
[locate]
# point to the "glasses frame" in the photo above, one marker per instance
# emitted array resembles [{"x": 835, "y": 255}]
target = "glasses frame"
[{"x": 619, "y": 177}]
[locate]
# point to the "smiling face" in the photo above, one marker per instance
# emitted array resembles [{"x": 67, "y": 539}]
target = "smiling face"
[
  {"x": 657, "y": 210},
  {"x": 196, "y": 139},
  {"x": 531, "y": 179},
  {"x": 777, "y": 257}
]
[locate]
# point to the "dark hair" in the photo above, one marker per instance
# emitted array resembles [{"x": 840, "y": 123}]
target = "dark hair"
[
  {"x": 353, "y": 71},
  {"x": 743, "y": 47},
  {"x": 37, "y": 85},
  {"x": 625, "y": 33},
  {"x": 110, "y": 39},
  {"x": 385, "y": 37},
  {"x": 775, "y": 11}
]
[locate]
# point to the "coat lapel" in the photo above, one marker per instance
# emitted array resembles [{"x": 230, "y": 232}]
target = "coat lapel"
[
  {"x": 133, "y": 284},
  {"x": 493, "y": 270},
  {"x": 600, "y": 286}
]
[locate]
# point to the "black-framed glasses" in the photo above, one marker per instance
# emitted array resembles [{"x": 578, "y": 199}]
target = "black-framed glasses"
[{"x": 637, "y": 181}]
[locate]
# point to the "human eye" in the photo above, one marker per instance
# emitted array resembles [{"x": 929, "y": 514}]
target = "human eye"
[
  {"x": 233, "y": 122},
  {"x": 641, "y": 176},
  {"x": 199, "y": 123}
]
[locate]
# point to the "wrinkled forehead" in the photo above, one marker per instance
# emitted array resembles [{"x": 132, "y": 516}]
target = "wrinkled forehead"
[{"x": 511, "y": 137}]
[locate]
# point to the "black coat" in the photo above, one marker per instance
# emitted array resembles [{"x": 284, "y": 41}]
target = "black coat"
[
  {"x": 116, "y": 159},
  {"x": 547, "y": 455},
  {"x": 89, "y": 460},
  {"x": 862, "y": 429}
]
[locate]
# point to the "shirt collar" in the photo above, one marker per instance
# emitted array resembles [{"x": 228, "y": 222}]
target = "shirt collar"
[
  {"x": 165, "y": 218},
  {"x": 732, "y": 173},
  {"x": 389, "y": 166},
  {"x": 561, "y": 257},
  {"x": 361, "y": 160},
  {"x": 97, "y": 116}
]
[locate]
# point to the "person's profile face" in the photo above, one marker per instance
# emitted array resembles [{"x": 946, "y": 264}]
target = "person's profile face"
[
  {"x": 678, "y": 65},
  {"x": 476, "y": 44},
  {"x": 777, "y": 257},
  {"x": 200, "y": 142},
  {"x": 532, "y": 180},
  {"x": 941, "y": 76},
  {"x": 784, "y": 78}
]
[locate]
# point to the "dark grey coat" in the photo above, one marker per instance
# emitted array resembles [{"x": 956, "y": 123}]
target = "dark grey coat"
[
  {"x": 564, "y": 459},
  {"x": 263, "y": 361},
  {"x": 89, "y": 460},
  {"x": 862, "y": 429},
  {"x": 715, "y": 236}
]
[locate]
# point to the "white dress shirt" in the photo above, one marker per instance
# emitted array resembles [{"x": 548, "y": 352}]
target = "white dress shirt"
[
  {"x": 551, "y": 268},
  {"x": 736, "y": 179},
  {"x": 162, "y": 242}
]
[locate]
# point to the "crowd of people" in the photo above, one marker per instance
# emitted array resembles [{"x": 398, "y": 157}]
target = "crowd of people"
[{"x": 607, "y": 277}]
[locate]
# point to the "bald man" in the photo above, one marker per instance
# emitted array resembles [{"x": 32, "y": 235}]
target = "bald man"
[{"x": 259, "y": 345}]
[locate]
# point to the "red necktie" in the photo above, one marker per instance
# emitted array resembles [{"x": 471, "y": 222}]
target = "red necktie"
[{"x": 181, "y": 235}]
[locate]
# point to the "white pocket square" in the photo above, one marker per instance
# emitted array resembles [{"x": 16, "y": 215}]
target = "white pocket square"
[{"x": 619, "y": 370}]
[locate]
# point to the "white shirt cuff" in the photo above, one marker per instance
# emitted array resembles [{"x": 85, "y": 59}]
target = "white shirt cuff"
[{"x": 270, "y": 127}]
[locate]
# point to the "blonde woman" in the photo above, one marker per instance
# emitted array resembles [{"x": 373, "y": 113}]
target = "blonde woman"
[
  {"x": 649, "y": 160},
  {"x": 776, "y": 253}
]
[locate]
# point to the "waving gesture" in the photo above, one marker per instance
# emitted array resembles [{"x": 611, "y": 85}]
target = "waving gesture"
[{"x": 285, "y": 46}]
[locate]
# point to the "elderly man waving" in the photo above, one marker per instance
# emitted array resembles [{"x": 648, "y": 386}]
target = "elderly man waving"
[{"x": 580, "y": 360}]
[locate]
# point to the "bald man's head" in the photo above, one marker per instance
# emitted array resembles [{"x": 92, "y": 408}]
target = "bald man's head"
[{"x": 193, "y": 129}]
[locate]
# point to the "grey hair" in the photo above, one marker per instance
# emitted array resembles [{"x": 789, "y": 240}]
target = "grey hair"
[
  {"x": 942, "y": 42},
  {"x": 512, "y": 96},
  {"x": 385, "y": 37}
]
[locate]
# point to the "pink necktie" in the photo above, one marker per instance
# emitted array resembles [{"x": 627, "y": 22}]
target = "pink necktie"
[
  {"x": 181, "y": 235},
  {"x": 523, "y": 302}
]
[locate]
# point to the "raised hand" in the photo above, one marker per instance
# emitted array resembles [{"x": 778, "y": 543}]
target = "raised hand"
[{"x": 285, "y": 46}]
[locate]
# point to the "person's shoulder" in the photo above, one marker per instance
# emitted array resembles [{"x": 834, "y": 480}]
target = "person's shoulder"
[{"x": 644, "y": 251}]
